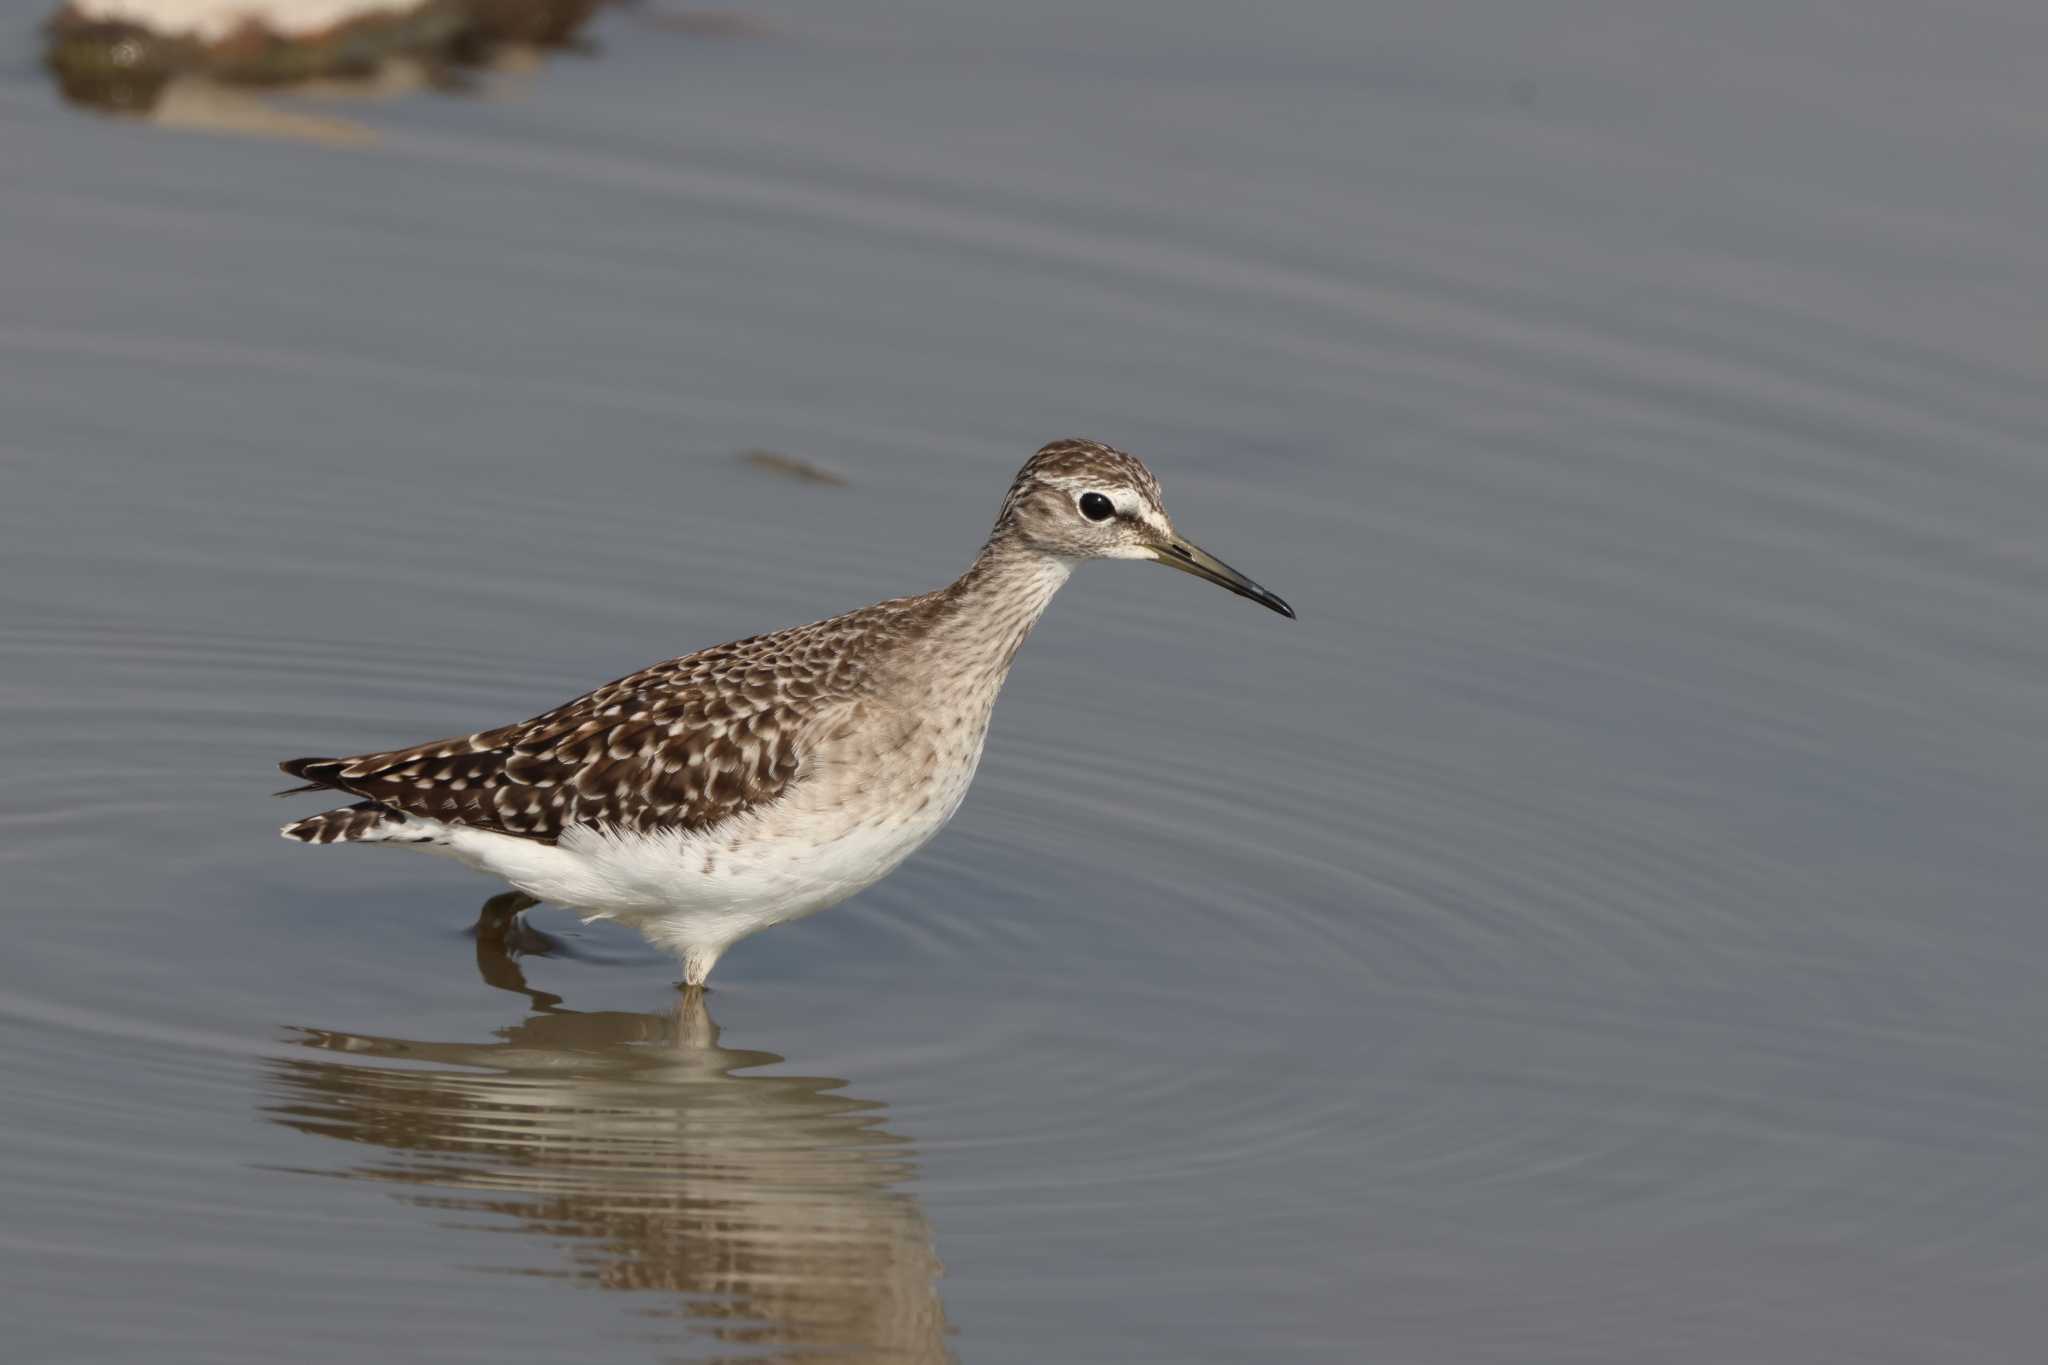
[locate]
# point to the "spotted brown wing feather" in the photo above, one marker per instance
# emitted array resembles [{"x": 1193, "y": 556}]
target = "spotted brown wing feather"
[{"x": 682, "y": 745}]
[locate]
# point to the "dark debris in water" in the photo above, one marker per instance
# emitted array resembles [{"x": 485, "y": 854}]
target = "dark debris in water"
[{"x": 792, "y": 467}]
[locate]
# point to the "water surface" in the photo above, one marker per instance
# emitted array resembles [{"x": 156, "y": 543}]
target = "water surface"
[{"x": 1606, "y": 926}]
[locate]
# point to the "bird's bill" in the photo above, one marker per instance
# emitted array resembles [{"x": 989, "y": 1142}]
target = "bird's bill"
[{"x": 1179, "y": 554}]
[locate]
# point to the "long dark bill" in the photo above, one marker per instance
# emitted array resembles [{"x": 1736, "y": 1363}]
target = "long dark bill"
[{"x": 1178, "y": 554}]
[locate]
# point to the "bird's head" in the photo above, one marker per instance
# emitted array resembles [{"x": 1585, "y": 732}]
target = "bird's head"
[{"x": 1084, "y": 500}]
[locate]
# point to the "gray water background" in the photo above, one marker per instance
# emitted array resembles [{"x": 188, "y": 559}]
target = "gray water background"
[{"x": 1607, "y": 927}]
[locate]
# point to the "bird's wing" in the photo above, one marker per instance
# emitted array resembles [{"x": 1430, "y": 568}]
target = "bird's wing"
[{"x": 684, "y": 744}]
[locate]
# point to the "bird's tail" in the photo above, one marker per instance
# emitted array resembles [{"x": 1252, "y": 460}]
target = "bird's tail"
[
  {"x": 317, "y": 773},
  {"x": 364, "y": 823}
]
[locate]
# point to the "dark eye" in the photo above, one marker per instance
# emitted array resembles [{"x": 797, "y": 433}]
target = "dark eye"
[{"x": 1096, "y": 507}]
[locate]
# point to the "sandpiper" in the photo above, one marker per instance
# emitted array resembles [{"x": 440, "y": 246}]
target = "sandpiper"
[{"x": 703, "y": 799}]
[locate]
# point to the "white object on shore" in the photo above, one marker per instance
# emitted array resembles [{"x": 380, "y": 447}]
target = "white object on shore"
[{"x": 212, "y": 20}]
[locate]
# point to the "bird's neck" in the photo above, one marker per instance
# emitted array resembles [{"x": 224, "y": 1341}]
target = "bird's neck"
[{"x": 990, "y": 609}]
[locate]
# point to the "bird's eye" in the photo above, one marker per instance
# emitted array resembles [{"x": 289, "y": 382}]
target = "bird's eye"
[{"x": 1096, "y": 507}]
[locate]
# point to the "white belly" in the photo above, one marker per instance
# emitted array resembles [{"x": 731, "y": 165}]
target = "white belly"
[{"x": 700, "y": 891}]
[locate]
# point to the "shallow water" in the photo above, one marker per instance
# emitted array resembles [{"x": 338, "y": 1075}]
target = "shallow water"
[{"x": 1607, "y": 926}]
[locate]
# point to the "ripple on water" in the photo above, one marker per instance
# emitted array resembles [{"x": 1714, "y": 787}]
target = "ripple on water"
[{"x": 1386, "y": 899}]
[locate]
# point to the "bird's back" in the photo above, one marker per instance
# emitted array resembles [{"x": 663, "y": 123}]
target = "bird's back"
[{"x": 682, "y": 745}]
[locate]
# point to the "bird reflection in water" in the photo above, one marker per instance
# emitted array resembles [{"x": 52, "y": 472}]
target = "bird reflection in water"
[{"x": 771, "y": 1207}]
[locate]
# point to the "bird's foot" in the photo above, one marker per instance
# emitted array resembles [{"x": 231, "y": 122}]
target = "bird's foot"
[
  {"x": 499, "y": 922},
  {"x": 502, "y": 937}
]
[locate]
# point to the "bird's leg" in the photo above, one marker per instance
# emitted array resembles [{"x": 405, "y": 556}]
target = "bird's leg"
[
  {"x": 501, "y": 936},
  {"x": 697, "y": 965},
  {"x": 498, "y": 968},
  {"x": 499, "y": 916},
  {"x": 693, "y": 1024}
]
